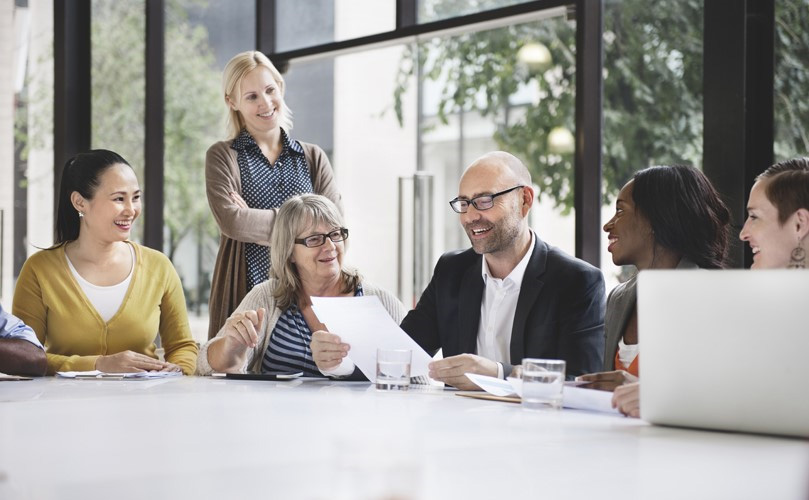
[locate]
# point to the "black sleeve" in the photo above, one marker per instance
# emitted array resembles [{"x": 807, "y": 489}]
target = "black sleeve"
[{"x": 581, "y": 332}]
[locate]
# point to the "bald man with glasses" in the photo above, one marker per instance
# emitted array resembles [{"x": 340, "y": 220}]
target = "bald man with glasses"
[{"x": 511, "y": 296}]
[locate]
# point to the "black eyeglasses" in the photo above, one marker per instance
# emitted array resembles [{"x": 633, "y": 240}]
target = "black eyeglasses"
[
  {"x": 316, "y": 240},
  {"x": 483, "y": 202}
]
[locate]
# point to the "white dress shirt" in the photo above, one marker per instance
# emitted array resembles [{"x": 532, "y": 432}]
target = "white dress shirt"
[{"x": 497, "y": 311}]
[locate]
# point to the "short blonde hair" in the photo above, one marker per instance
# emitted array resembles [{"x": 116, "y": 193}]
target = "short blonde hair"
[
  {"x": 298, "y": 214},
  {"x": 236, "y": 68}
]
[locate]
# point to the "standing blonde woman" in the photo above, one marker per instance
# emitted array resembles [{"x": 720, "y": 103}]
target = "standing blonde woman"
[{"x": 251, "y": 174}]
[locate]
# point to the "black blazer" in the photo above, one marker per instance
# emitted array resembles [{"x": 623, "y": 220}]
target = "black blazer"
[{"x": 560, "y": 310}]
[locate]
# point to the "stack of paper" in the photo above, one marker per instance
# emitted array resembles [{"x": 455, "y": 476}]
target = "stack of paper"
[
  {"x": 572, "y": 396},
  {"x": 97, "y": 375}
]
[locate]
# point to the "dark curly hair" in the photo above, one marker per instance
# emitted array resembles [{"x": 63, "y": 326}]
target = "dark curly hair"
[{"x": 685, "y": 211}]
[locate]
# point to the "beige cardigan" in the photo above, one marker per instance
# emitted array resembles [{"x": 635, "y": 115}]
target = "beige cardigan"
[
  {"x": 261, "y": 296},
  {"x": 238, "y": 226}
]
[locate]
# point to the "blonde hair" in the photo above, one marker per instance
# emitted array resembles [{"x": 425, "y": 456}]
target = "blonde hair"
[
  {"x": 296, "y": 215},
  {"x": 235, "y": 70}
]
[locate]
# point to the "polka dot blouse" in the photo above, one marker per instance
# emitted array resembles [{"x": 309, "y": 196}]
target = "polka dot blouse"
[{"x": 266, "y": 186}]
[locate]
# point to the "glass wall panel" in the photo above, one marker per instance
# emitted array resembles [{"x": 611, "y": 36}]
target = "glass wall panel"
[
  {"x": 201, "y": 37},
  {"x": 315, "y": 22},
  {"x": 344, "y": 104},
  {"x": 435, "y": 10},
  {"x": 791, "y": 107},
  {"x": 26, "y": 135},
  {"x": 510, "y": 89},
  {"x": 652, "y": 95},
  {"x": 384, "y": 116},
  {"x": 118, "y": 48}
]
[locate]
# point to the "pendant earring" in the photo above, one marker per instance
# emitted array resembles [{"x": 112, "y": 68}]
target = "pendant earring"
[{"x": 797, "y": 260}]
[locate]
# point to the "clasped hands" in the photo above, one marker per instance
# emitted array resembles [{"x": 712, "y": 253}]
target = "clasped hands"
[{"x": 130, "y": 361}]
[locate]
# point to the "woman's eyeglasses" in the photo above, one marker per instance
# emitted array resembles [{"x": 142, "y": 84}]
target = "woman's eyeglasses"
[{"x": 316, "y": 240}]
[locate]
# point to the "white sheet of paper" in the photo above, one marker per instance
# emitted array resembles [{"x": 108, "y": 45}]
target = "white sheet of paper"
[
  {"x": 363, "y": 323},
  {"x": 572, "y": 397},
  {"x": 130, "y": 376},
  {"x": 493, "y": 385}
]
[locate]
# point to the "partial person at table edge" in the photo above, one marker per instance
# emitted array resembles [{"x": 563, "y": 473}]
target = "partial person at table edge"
[
  {"x": 275, "y": 328},
  {"x": 249, "y": 175},
  {"x": 96, "y": 300},
  {"x": 21, "y": 352}
]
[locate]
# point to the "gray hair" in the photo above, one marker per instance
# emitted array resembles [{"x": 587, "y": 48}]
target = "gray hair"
[{"x": 297, "y": 215}]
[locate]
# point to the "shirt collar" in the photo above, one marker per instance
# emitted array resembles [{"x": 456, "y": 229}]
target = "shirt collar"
[
  {"x": 516, "y": 274},
  {"x": 245, "y": 141}
]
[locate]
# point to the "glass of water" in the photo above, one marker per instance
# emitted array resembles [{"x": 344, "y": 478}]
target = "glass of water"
[
  {"x": 393, "y": 369},
  {"x": 542, "y": 383}
]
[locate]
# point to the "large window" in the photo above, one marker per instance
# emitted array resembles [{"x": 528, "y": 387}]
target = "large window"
[
  {"x": 430, "y": 108},
  {"x": 200, "y": 38},
  {"x": 791, "y": 108},
  {"x": 26, "y": 129},
  {"x": 119, "y": 83},
  {"x": 435, "y": 10},
  {"x": 314, "y": 22}
]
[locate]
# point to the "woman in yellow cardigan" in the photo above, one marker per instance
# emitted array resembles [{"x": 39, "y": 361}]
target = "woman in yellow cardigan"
[{"x": 96, "y": 300}]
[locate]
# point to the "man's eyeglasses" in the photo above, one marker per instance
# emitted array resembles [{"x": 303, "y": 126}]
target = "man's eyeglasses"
[
  {"x": 316, "y": 240},
  {"x": 483, "y": 202}
]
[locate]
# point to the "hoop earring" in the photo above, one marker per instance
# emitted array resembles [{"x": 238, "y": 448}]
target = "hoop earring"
[{"x": 797, "y": 259}]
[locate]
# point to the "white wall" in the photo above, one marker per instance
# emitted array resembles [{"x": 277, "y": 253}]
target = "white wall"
[{"x": 7, "y": 145}]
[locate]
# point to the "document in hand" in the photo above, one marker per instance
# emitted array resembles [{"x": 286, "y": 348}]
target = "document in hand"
[
  {"x": 97, "y": 375},
  {"x": 363, "y": 323},
  {"x": 572, "y": 397}
]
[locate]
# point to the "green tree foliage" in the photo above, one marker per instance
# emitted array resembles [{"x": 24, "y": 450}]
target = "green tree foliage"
[
  {"x": 792, "y": 79},
  {"x": 193, "y": 114},
  {"x": 194, "y": 121},
  {"x": 652, "y": 88}
]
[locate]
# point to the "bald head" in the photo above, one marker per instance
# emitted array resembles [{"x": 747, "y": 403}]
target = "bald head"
[{"x": 501, "y": 168}]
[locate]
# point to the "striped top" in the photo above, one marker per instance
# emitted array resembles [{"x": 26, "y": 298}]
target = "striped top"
[
  {"x": 288, "y": 348},
  {"x": 267, "y": 186}
]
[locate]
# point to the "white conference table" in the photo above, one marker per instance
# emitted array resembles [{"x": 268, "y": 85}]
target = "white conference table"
[{"x": 206, "y": 438}]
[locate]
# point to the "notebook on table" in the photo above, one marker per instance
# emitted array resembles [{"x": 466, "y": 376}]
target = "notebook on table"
[{"x": 725, "y": 350}]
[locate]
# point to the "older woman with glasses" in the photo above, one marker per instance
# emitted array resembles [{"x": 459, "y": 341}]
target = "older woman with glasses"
[{"x": 272, "y": 328}]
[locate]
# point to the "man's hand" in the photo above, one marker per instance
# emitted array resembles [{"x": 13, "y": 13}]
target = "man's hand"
[
  {"x": 327, "y": 350},
  {"x": 451, "y": 370},
  {"x": 626, "y": 399},
  {"x": 607, "y": 381}
]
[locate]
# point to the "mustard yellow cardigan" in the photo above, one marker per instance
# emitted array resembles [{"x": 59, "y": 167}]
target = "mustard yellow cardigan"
[{"x": 50, "y": 300}]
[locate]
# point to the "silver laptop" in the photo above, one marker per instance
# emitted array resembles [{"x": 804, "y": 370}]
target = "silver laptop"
[{"x": 725, "y": 350}]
